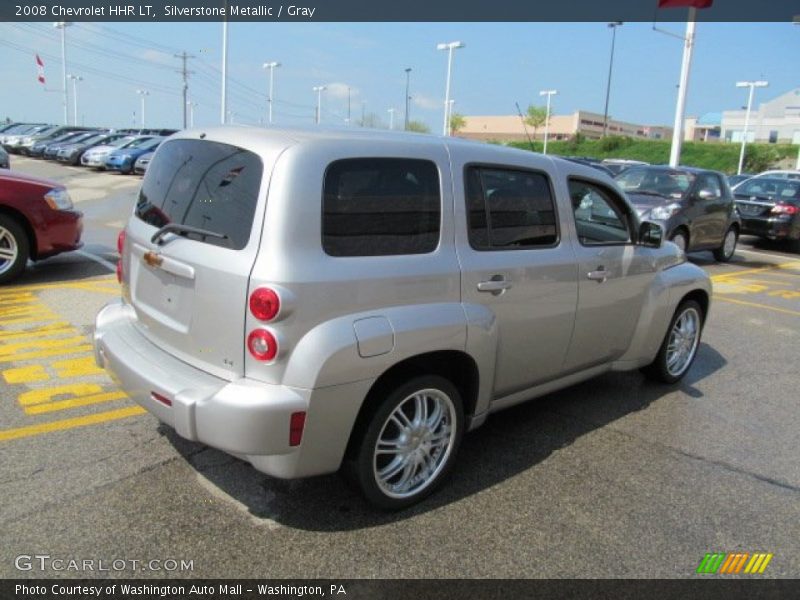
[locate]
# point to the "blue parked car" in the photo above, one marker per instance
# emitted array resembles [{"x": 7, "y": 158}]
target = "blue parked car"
[{"x": 123, "y": 160}]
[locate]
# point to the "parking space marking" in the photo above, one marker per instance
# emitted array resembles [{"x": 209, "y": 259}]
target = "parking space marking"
[
  {"x": 777, "y": 282},
  {"x": 52, "y": 364},
  {"x": 32, "y": 430},
  {"x": 757, "y": 305}
]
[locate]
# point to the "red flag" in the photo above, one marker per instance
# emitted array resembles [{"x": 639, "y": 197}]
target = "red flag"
[
  {"x": 40, "y": 69},
  {"x": 683, "y": 3}
]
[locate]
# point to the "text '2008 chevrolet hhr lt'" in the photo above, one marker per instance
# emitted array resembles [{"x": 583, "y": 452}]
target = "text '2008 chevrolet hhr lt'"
[{"x": 311, "y": 301}]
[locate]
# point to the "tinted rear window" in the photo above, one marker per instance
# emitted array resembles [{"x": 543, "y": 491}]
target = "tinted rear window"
[
  {"x": 381, "y": 207},
  {"x": 202, "y": 184}
]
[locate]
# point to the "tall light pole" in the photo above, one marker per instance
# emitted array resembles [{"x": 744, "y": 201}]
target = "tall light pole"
[
  {"x": 408, "y": 97},
  {"x": 613, "y": 26},
  {"x": 319, "y": 89},
  {"x": 450, "y": 104},
  {"x": 62, "y": 25},
  {"x": 191, "y": 106},
  {"x": 391, "y": 118},
  {"x": 75, "y": 79},
  {"x": 223, "y": 107},
  {"x": 549, "y": 94},
  {"x": 449, "y": 46},
  {"x": 271, "y": 66},
  {"x": 752, "y": 85},
  {"x": 143, "y": 94}
]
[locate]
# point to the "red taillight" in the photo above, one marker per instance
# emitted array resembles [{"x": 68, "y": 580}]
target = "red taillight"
[
  {"x": 120, "y": 248},
  {"x": 262, "y": 344},
  {"x": 296, "y": 424},
  {"x": 264, "y": 304},
  {"x": 121, "y": 241},
  {"x": 159, "y": 398},
  {"x": 785, "y": 209}
]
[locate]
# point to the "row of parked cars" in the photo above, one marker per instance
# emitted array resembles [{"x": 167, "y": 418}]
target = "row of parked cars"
[
  {"x": 126, "y": 151},
  {"x": 687, "y": 201}
]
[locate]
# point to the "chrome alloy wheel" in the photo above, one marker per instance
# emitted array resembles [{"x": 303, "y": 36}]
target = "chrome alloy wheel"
[
  {"x": 729, "y": 246},
  {"x": 414, "y": 443},
  {"x": 683, "y": 342},
  {"x": 8, "y": 250}
]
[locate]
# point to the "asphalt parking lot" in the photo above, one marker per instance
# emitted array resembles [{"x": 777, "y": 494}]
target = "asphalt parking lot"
[{"x": 616, "y": 477}]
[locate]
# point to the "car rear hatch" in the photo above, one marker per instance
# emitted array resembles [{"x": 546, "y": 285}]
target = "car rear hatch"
[{"x": 190, "y": 248}]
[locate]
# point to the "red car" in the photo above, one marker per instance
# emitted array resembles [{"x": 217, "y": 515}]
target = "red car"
[{"x": 37, "y": 220}]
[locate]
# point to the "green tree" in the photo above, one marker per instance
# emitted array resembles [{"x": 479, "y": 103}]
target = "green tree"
[
  {"x": 418, "y": 127},
  {"x": 536, "y": 117},
  {"x": 457, "y": 122}
]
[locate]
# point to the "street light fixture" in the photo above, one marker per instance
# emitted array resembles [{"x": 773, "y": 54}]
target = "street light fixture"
[
  {"x": 143, "y": 94},
  {"x": 449, "y": 46},
  {"x": 752, "y": 85},
  {"x": 271, "y": 66},
  {"x": 319, "y": 89},
  {"x": 191, "y": 106},
  {"x": 549, "y": 94},
  {"x": 613, "y": 26},
  {"x": 75, "y": 79},
  {"x": 62, "y": 25},
  {"x": 408, "y": 79}
]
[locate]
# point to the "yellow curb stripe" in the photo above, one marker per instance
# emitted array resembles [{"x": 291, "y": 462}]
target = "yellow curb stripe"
[
  {"x": 32, "y": 430},
  {"x": 48, "y": 407},
  {"x": 796, "y": 313},
  {"x": 46, "y": 353}
]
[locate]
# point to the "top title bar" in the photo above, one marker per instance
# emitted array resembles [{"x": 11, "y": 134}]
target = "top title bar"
[{"x": 404, "y": 11}]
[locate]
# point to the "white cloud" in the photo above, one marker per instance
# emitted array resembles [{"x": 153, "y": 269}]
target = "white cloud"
[
  {"x": 427, "y": 102},
  {"x": 156, "y": 56},
  {"x": 340, "y": 90}
]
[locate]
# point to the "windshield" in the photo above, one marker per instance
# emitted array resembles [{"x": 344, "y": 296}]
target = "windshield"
[
  {"x": 136, "y": 142},
  {"x": 664, "y": 182},
  {"x": 786, "y": 189}
]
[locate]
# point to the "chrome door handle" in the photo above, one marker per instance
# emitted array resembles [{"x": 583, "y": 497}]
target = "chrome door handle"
[
  {"x": 495, "y": 286},
  {"x": 599, "y": 276}
]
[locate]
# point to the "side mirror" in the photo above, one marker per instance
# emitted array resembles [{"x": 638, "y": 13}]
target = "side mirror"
[
  {"x": 705, "y": 194},
  {"x": 650, "y": 235}
]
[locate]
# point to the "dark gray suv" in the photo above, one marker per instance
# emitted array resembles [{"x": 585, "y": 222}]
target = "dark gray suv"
[{"x": 695, "y": 207}]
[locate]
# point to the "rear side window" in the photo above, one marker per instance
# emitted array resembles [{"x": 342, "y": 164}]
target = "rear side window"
[
  {"x": 381, "y": 207},
  {"x": 509, "y": 209},
  {"x": 206, "y": 185}
]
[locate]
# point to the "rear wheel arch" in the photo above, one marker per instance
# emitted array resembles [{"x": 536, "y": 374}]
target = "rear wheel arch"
[{"x": 458, "y": 367}]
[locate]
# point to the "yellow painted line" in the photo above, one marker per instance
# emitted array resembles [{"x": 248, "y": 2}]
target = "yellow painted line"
[
  {"x": 759, "y": 558},
  {"x": 789, "y": 265},
  {"x": 46, "y": 315},
  {"x": 88, "y": 285},
  {"x": 758, "y": 281},
  {"x": 749, "y": 566},
  {"x": 46, "y": 353},
  {"x": 48, "y": 407},
  {"x": 796, "y": 313},
  {"x": 7, "y": 349},
  {"x": 46, "y": 394},
  {"x": 33, "y": 430},
  {"x": 77, "y": 367},
  {"x": 25, "y": 374},
  {"x": 42, "y": 331}
]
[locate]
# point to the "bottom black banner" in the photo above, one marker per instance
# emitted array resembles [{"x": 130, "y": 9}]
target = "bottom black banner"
[{"x": 400, "y": 589}]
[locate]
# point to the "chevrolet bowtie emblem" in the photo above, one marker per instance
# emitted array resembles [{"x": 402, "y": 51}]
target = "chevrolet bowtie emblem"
[{"x": 153, "y": 259}]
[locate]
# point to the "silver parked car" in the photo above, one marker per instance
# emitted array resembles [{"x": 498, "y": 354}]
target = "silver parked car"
[{"x": 312, "y": 300}]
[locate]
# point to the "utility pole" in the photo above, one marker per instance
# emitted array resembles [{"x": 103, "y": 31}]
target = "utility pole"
[
  {"x": 408, "y": 97},
  {"x": 184, "y": 57}
]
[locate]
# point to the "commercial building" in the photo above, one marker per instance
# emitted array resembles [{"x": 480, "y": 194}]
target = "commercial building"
[
  {"x": 562, "y": 127},
  {"x": 774, "y": 121}
]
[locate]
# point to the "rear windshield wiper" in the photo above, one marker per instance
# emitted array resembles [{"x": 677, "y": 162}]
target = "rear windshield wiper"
[{"x": 182, "y": 230}]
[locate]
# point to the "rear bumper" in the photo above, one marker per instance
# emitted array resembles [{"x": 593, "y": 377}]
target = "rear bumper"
[
  {"x": 772, "y": 228},
  {"x": 246, "y": 418}
]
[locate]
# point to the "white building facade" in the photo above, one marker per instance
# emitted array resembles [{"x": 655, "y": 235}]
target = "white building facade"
[{"x": 775, "y": 121}]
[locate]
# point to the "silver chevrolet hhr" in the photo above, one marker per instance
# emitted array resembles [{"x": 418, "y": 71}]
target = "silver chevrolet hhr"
[{"x": 317, "y": 300}]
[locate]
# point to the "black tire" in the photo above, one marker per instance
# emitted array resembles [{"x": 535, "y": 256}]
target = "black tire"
[
  {"x": 659, "y": 369},
  {"x": 681, "y": 239},
  {"x": 723, "y": 255},
  {"x": 364, "y": 464},
  {"x": 14, "y": 238}
]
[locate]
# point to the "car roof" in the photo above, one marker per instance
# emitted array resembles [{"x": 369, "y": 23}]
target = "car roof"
[{"x": 693, "y": 170}]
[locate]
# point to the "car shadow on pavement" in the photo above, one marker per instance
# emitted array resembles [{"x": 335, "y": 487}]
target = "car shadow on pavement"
[
  {"x": 64, "y": 268},
  {"x": 510, "y": 442}
]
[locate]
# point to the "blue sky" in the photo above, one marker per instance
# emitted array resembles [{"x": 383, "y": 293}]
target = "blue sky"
[{"x": 502, "y": 63}]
